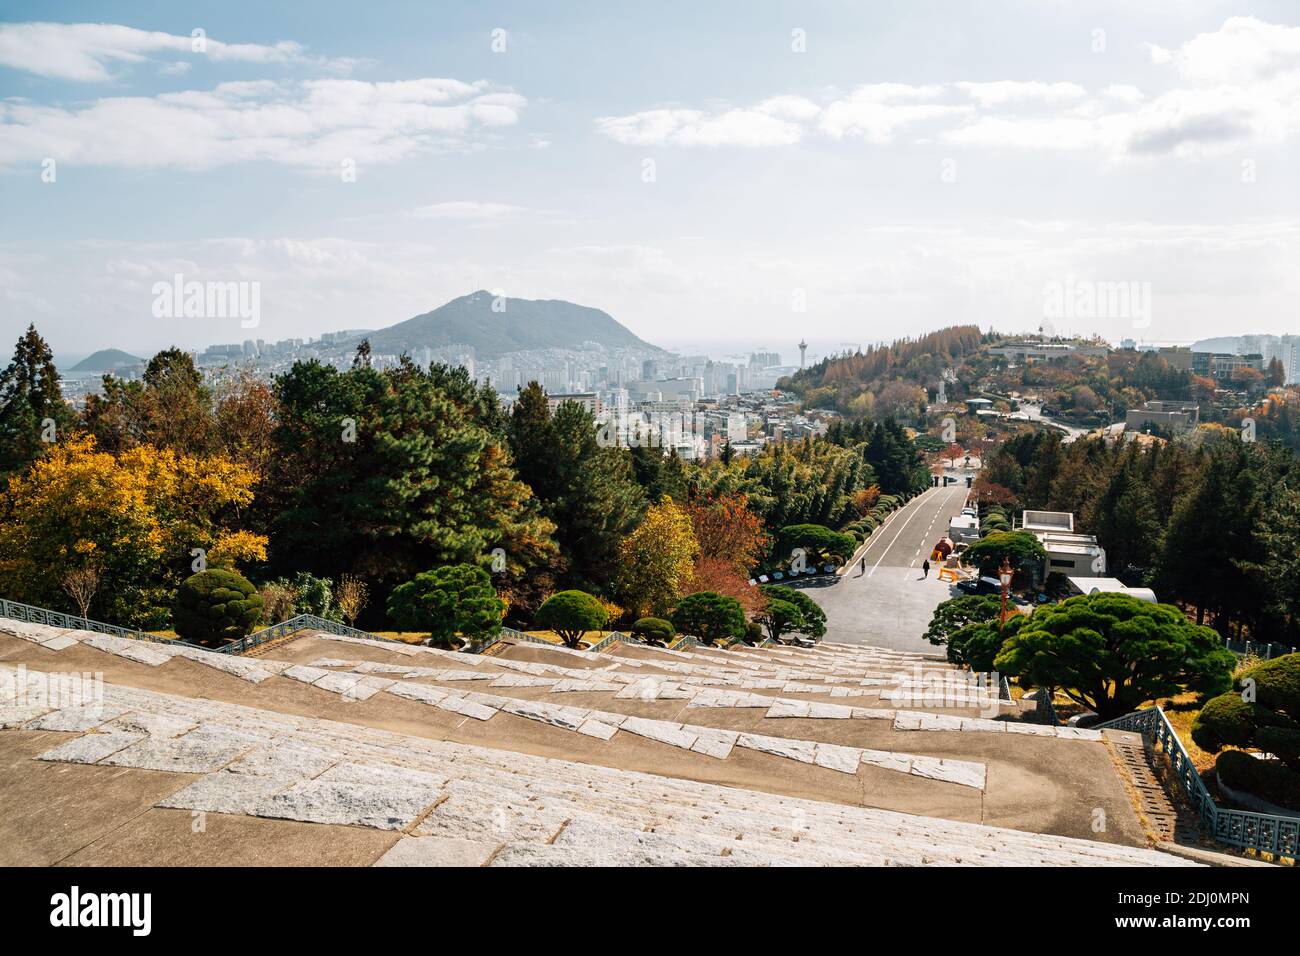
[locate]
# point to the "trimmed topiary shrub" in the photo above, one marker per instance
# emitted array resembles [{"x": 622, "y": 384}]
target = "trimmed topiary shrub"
[
  {"x": 819, "y": 541},
  {"x": 653, "y": 629},
  {"x": 1227, "y": 721},
  {"x": 709, "y": 616},
  {"x": 215, "y": 606},
  {"x": 1267, "y": 779},
  {"x": 571, "y": 614},
  {"x": 1277, "y": 684},
  {"x": 1262, "y": 713},
  {"x": 457, "y": 599}
]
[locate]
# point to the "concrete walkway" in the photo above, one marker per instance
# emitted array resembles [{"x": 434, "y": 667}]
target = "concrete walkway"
[{"x": 888, "y": 603}]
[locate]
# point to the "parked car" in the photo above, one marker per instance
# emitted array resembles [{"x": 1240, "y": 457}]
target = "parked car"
[{"x": 980, "y": 586}]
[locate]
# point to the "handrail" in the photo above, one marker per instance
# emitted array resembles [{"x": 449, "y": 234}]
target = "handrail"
[
  {"x": 17, "y": 611},
  {"x": 1273, "y": 833},
  {"x": 299, "y": 623},
  {"x": 613, "y": 637}
]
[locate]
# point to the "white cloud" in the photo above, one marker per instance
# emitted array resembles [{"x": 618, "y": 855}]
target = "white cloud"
[
  {"x": 789, "y": 107},
  {"x": 313, "y": 124},
  {"x": 87, "y": 52},
  {"x": 877, "y": 112},
  {"x": 678, "y": 127},
  {"x": 1242, "y": 51},
  {"x": 1239, "y": 85}
]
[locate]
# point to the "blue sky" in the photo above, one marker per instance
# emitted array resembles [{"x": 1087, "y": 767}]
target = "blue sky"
[{"x": 913, "y": 165}]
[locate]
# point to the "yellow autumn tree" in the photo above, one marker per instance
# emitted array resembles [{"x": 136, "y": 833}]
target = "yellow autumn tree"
[
  {"x": 137, "y": 518},
  {"x": 657, "y": 559}
]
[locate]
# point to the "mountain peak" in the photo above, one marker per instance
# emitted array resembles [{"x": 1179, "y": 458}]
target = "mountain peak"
[
  {"x": 105, "y": 360},
  {"x": 494, "y": 325}
]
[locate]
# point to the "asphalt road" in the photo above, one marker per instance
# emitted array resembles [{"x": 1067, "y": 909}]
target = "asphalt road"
[{"x": 883, "y": 599}]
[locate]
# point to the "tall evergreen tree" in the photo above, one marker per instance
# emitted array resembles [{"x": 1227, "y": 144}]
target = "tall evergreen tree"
[
  {"x": 1211, "y": 542},
  {"x": 33, "y": 413},
  {"x": 586, "y": 490},
  {"x": 383, "y": 475}
]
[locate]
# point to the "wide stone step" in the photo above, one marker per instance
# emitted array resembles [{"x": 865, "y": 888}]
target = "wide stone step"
[{"x": 461, "y": 803}]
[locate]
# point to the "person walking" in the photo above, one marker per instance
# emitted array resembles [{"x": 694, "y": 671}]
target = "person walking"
[
  {"x": 925, "y": 567},
  {"x": 863, "y": 567}
]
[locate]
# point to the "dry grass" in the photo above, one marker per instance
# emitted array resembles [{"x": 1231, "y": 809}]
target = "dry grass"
[
  {"x": 406, "y": 637},
  {"x": 591, "y": 637}
]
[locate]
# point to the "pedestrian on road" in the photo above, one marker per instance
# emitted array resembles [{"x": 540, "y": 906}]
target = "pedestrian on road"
[
  {"x": 925, "y": 567},
  {"x": 864, "y": 566}
]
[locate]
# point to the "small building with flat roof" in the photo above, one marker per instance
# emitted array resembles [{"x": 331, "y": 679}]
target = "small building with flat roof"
[{"x": 1086, "y": 585}]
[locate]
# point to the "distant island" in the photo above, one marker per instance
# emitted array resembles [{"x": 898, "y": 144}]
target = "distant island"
[
  {"x": 105, "y": 360},
  {"x": 512, "y": 325}
]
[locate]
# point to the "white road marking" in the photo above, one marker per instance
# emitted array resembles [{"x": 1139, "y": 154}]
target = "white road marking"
[{"x": 896, "y": 537}]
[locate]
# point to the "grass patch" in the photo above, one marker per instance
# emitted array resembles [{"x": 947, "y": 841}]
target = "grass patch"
[
  {"x": 550, "y": 637},
  {"x": 406, "y": 637}
]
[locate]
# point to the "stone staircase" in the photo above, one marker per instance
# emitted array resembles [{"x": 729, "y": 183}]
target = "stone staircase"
[
  {"x": 450, "y": 803},
  {"x": 843, "y": 725}
]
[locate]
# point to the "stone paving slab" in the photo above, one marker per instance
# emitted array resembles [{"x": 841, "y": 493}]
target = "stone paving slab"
[
  {"x": 540, "y": 810},
  {"x": 201, "y": 751},
  {"x": 90, "y": 748},
  {"x": 383, "y": 807},
  {"x": 15, "y": 714},
  {"x": 437, "y": 851}
]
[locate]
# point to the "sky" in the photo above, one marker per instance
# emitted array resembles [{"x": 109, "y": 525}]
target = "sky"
[{"x": 754, "y": 172}]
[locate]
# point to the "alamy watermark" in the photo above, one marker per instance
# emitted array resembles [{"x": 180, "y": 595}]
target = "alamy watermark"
[
  {"x": 51, "y": 689},
  {"x": 1081, "y": 299},
  {"x": 181, "y": 299}
]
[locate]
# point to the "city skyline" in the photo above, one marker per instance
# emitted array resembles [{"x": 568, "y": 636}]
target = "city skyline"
[{"x": 900, "y": 191}]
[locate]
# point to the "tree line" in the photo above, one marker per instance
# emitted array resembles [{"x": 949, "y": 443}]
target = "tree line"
[
  {"x": 1209, "y": 521},
  {"x": 374, "y": 477}
]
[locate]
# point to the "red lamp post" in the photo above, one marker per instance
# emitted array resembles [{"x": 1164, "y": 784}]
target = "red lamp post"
[{"x": 1004, "y": 575}]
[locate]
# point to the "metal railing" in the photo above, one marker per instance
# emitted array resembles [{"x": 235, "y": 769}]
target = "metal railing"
[
  {"x": 1254, "y": 649},
  {"x": 1272, "y": 833},
  {"x": 613, "y": 637},
  {"x": 17, "y": 611},
  {"x": 303, "y": 622}
]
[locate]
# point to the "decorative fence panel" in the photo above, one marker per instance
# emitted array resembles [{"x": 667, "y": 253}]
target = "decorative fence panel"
[
  {"x": 1258, "y": 831},
  {"x": 17, "y": 611}
]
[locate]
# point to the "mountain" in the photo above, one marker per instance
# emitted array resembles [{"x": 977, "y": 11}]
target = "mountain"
[
  {"x": 522, "y": 324},
  {"x": 1226, "y": 344},
  {"x": 105, "y": 360}
]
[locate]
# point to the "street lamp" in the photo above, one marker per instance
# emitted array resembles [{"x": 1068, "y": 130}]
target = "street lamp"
[{"x": 1004, "y": 575}]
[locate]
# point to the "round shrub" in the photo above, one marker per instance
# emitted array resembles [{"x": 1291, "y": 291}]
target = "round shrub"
[
  {"x": 571, "y": 614},
  {"x": 215, "y": 606},
  {"x": 653, "y": 629},
  {"x": 1277, "y": 684},
  {"x": 1282, "y": 742},
  {"x": 1267, "y": 779},
  {"x": 709, "y": 616},
  {"x": 1226, "y": 720}
]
